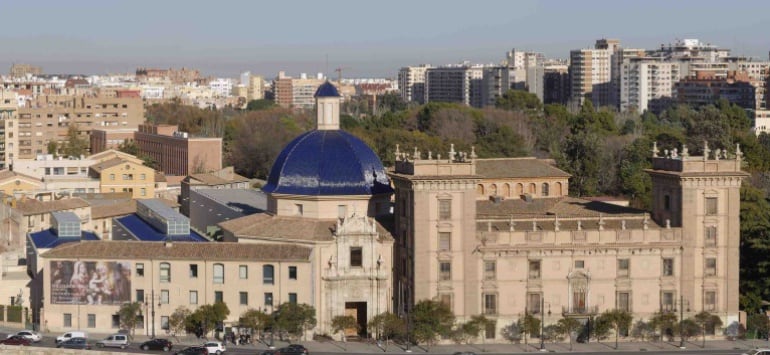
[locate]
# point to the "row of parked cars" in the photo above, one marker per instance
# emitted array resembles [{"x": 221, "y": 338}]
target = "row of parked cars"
[{"x": 79, "y": 340}]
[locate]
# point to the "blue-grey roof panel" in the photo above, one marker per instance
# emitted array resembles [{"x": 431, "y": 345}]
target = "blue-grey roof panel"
[
  {"x": 145, "y": 232},
  {"x": 48, "y": 239}
]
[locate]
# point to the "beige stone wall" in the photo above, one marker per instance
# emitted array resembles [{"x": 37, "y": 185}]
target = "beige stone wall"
[
  {"x": 328, "y": 207},
  {"x": 129, "y": 176}
]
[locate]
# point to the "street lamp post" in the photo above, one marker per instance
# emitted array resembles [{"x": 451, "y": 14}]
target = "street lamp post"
[
  {"x": 152, "y": 309},
  {"x": 681, "y": 320},
  {"x": 542, "y": 322}
]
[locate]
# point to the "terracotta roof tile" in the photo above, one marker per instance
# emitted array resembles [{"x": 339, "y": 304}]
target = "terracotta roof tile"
[
  {"x": 563, "y": 207},
  {"x": 518, "y": 168},
  {"x": 267, "y": 226},
  {"x": 30, "y": 206},
  {"x": 123, "y": 250}
]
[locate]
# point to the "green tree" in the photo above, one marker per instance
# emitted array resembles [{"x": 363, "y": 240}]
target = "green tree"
[
  {"x": 663, "y": 322},
  {"x": 75, "y": 146},
  {"x": 177, "y": 321},
  {"x": 261, "y": 104},
  {"x": 52, "y": 148},
  {"x": 512, "y": 332},
  {"x": 688, "y": 328},
  {"x": 618, "y": 320},
  {"x": 431, "y": 319},
  {"x": 529, "y": 326},
  {"x": 295, "y": 318},
  {"x": 388, "y": 326},
  {"x": 600, "y": 327},
  {"x": 340, "y": 324},
  {"x": 580, "y": 158},
  {"x": 207, "y": 316},
  {"x": 129, "y": 316},
  {"x": 642, "y": 330},
  {"x": 256, "y": 320},
  {"x": 480, "y": 323},
  {"x": 706, "y": 320},
  {"x": 519, "y": 100},
  {"x": 129, "y": 147},
  {"x": 757, "y": 325},
  {"x": 569, "y": 326}
]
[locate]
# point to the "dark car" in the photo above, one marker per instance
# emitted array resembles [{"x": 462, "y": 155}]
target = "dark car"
[
  {"x": 292, "y": 350},
  {"x": 193, "y": 350},
  {"x": 156, "y": 344},
  {"x": 269, "y": 352},
  {"x": 75, "y": 343},
  {"x": 299, "y": 347},
  {"x": 16, "y": 340}
]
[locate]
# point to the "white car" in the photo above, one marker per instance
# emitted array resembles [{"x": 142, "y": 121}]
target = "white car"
[
  {"x": 214, "y": 347},
  {"x": 758, "y": 352},
  {"x": 30, "y": 335}
]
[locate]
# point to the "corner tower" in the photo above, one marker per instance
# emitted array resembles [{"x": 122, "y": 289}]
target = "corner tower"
[{"x": 701, "y": 195}]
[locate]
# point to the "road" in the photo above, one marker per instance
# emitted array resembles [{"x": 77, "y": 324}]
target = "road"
[{"x": 49, "y": 342}]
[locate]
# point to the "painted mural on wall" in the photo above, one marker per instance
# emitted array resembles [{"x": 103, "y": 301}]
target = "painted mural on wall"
[{"x": 90, "y": 282}]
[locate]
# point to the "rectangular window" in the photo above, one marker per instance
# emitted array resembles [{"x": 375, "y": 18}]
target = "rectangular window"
[
  {"x": 711, "y": 205},
  {"x": 490, "y": 304},
  {"x": 667, "y": 300},
  {"x": 139, "y": 295},
  {"x": 243, "y": 272},
  {"x": 668, "y": 267},
  {"x": 293, "y": 298},
  {"x": 533, "y": 303},
  {"x": 444, "y": 241},
  {"x": 116, "y": 320},
  {"x": 579, "y": 264},
  {"x": 269, "y": 299},
  {"x": 193, "y": 271},
  {"x": 164, "y": 322},
  {"x": 356, "y": 257},
  {"x": 624, "y": 301},
  {"x": 165, "y": 272},
  {"x": 67, "y": 320},
  {"x": 711, "y": 267},
  {"x": 267, "y": 274},
  {"x": 193, "y": 297},
  {"x": 91, "y": 320},
  {"x": 164, "y": 296},
  {"x": 667, "y": 202},
  {"x": 292, "y": 272},
  {"x": 218, "y": 296},
  {"x": 112, "y": 177},
  {"x": 490, "y": 328},
  {"x": 143, "y": 192},
  {"x": 446, "y": 299},
  {"x": 244, "y": 297},
  {"x": 711, "y": 236},
  {"x": 444, "y": 209},
  {"x": 710, "y": 300},
  {"x": 624, "y": 267},
  {"x": 142, "y": 176},
  {"x": 445, "y": 271},
  {"x": 219, "y": 274},
  {"x": 534, "y": 269},
  {"x": 490, "y": 270},
  {"x": 139, "y": 269},
  {"x": 299, "y": 209}
]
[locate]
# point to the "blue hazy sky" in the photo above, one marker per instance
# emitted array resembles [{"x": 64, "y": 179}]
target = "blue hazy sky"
[{"x": 370, "y": 38}]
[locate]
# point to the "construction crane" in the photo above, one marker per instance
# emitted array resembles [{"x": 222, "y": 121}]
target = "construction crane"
[{"x": 339, "y": 74}]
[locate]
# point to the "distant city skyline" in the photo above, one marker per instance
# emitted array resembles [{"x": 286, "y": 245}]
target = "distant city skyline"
[{"x": 365, "y": 38}]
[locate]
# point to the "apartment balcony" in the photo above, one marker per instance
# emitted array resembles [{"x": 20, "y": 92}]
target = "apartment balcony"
[{"x": 576, "y": 311}]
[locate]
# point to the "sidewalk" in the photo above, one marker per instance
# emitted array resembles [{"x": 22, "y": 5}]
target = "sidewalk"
[{"x": 364, "y": 347}]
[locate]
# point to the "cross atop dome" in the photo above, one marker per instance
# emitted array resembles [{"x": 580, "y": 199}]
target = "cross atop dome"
[{"x": 327, "y": 100}]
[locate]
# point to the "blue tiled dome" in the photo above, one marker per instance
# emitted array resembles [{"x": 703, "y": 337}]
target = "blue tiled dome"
[
  {"x": 327, "y": 162},
  {"x": 327, "y": 89}
]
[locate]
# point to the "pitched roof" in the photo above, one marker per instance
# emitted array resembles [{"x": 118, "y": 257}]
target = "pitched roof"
[
  {"x": 267, "y": 226},
  {"x": 212, "y": 179},
  {"x": 517, "y": 168},
  {"x": 28, "y": 206},
  {"x": 99, "y": 167},
  {"x": 9, "y": 174},
  {"x": 132, "y": 250}
]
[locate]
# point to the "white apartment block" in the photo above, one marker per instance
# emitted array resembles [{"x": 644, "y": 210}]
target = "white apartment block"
[
  {"x": 645, "y": 80},
  {"x": 590, "y": 76},
  {"x": 221, "y": 87},
  {"x": 411, "y": 83}
]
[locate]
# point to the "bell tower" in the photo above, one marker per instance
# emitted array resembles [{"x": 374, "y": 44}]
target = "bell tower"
[{"x": 327, "y": 100}]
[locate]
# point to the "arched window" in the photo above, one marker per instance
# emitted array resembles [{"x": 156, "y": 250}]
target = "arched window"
[
  {"x": 267, "y": 274},
  {"x": 559, "y": 192},
  {"x": 165, "y": 272},
  {"x": 519, "y": 189},
  {"x": 219, "y": 274},
  {"x": 507, "y": 190},
  {"x": 532, "y": 188},
  {"x": 544, "y": 189},
  {"x": 480, "y": 190},
  {"x": 493, "y": 190}
]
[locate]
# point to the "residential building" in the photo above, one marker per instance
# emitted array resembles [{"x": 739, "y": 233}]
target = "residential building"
[
  {"x": 177, "y": 153},
  {"x": 647, "y": 81},
  {"x": 411, "y": 83},
  {"x": 458, "y": 83},
  {"x": 494, "y": 83},
  {"x": 706, "y": 88},
  {"x": 556, "y": 85},
  {"x": 23, "y": 70},
  {"x": 8, "y": 119},
  {"x": 47, "y": 118},
  {"x": 574, "y": 257},
  {"x": 296, "y": 92},
  {"x": 24, "y": 215},
  {"x": 125, "y": 175},
  {"x": 526, "y": 71},
  {"x": 12, "y": 182},
  {"x": 590, "y": 72}
]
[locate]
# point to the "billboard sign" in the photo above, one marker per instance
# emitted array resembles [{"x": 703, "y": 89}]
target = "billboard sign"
[{"x": 90, "y": 282}]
